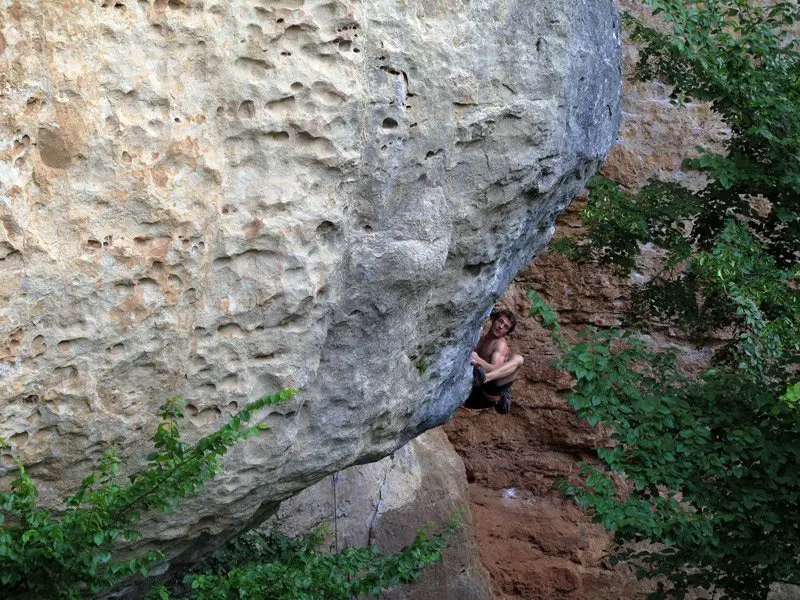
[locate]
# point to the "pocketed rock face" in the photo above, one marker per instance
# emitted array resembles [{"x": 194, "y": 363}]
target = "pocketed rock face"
[{"x": 221, "y": 199}]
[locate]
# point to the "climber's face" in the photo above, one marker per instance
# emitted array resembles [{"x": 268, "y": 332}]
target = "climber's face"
[{"x": 501, "y": 326}]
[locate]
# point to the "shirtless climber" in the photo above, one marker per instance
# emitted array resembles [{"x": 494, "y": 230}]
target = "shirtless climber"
[{"x": 493, "y": 370}]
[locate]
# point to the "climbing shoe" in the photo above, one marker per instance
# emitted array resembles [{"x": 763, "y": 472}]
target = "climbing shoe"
[
  {"x": 505, "y": 403},
  {"x": 479, "y": 375}
]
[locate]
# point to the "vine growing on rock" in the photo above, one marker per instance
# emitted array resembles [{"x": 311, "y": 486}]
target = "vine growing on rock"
[
  {"x": 85, "y": 548},
  {"x": 706, "y": 466}
]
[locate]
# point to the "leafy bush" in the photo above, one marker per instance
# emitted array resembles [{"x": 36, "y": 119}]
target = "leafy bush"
[
  {"x": 710, "y": 462},
  {"x": 77, "y": 552},
  {"x": 707, "y": 467},
  {"x": 46, "y": 554},
  {"x": 274, "y": 567}
]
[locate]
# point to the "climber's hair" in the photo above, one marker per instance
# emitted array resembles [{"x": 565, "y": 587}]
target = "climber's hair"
[{"x": 504, "y": 312}]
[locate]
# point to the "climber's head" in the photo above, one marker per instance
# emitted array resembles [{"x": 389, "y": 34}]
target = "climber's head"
[{"x": 503, "y": 322}]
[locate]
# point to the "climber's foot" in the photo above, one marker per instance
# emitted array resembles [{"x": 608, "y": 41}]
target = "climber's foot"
[{"x": 505, "y": 403}]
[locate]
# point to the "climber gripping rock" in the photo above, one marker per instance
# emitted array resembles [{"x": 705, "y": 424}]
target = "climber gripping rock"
[{"x": 493, "y": 370}]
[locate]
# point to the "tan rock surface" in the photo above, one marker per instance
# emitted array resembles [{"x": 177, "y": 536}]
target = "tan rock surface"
[
  {"x": 656, "y": 135},
  {"x": 219, "y": 199}
]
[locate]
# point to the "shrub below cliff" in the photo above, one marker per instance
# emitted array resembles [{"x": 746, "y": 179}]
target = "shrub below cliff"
[
  {"x": 85, "y": 549},
  {"x": 711, "y": 462},
  {"x": 274, "y": 567}
]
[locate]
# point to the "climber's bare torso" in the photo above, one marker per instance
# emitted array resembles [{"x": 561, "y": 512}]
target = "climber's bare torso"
[
  {"x": 492, "y": 353},
  {"x": 492, "y": 349}
]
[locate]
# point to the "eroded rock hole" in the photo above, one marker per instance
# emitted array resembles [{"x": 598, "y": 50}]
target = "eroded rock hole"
[
  {"x": 38, "y": 344},
  {"x": 157, "y": 269},
  {"x": 389, "y": 123},
  {"x": 32, "y": 103},
  {"x": 231, "y": 330},
  {"x": 327, "y": 230},
  {"x": 305, "y": 139},
  {"x": 54, "y": 149},
  {"x": 19, "y": 439},
  {"x": 247, "y": 109},
  {"x": 67, "y": 372}
]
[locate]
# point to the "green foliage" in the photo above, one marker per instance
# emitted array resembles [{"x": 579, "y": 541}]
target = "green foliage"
[
  {"x": 792, "y": 395},
  {"x": 274, "y": 567},
  {"x": 710, "y": 462},
  {"x": 745, "y": 61},
  {"x": 619, "y": 222},
  {"x": 539, "y": 308},
  {"x": 75, "y": 552},
  {"x": 743, "y": 58}
]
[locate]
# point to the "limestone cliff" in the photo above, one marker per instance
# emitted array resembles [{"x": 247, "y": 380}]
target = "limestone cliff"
[{"x": 219, "y": 199}]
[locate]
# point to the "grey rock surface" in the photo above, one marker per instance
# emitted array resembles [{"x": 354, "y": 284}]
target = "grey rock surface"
[
  {"x": 383, "y": 504},
  {"x": 219, "y": 199}
]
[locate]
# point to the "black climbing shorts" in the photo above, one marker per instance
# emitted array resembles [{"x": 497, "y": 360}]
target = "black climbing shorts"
[{"x": 482, "y": 397}]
